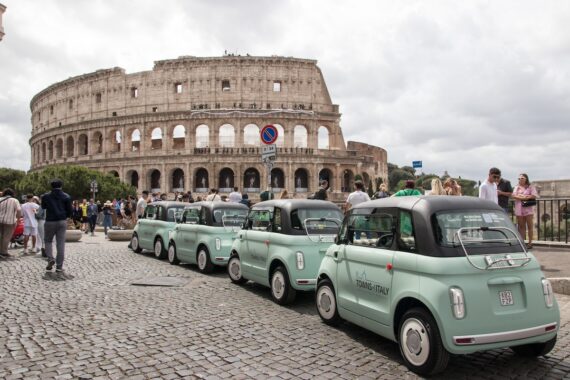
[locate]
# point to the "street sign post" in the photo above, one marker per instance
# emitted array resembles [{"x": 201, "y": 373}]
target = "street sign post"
[
  {"x": 268, "y": 152},
  {"x": 417, "y": 164},
  {"x": 268, "y": 135},
  {"x": 94, "y": 188}
]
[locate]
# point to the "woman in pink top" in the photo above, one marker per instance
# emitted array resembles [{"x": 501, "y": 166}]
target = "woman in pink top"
[{"x": 524, "y": 191}]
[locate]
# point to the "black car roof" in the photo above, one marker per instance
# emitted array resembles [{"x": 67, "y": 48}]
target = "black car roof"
[
  {"x": 292, "y": 204},
  {"x": 217, "y": 204},
  {"x": 427, "y": 205}
]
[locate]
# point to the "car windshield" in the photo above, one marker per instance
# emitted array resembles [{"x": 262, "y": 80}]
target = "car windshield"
[
  {"x": 317, "y": 221},
  {"x": 174, "y": 213},
  {"x": 229, "y": 217},
  {"x": 477, "y": 228}
]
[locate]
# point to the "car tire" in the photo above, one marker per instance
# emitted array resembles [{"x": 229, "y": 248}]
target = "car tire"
[
  {"x": 135, "y": 245},
  {"x": 159, "y": 251},
  {"x": 172, "y": 257},
  {"x": 325, "y": 301},
  {"x": 282, "y": 292},
  {"x": 203, "y": 260},
  {"x": 420, "y": 343},
  {"x": 234, "y": 270},
  {"x": 535, "y": 349}
]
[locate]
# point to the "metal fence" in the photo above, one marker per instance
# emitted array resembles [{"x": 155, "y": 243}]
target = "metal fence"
[{"x": 551, "y": 219}]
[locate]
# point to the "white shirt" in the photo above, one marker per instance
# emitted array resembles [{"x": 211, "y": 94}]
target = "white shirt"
[
  {"x": 235, "y": 196},
  {"x": 213, "y": 197},
  {"x": 141, "y": 205},
  {"x": 357, "y": 197},
  {"x": 29, "y": 212},
  {"x": 488, "y": 191}
]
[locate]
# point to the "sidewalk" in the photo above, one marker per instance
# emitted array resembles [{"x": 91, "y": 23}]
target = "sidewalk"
[{"x": 555, "y": 264}]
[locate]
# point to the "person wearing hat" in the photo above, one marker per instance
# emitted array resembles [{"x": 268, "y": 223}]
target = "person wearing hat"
[
  {"x": 409, "y": 190},
  {"x": 107, "y": 216},
  {"x": 58, "y": 208}
]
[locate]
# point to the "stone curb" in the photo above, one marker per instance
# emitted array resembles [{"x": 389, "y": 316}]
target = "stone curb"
[
  {"x": 120, "y": 235},
  {"x": 561, "y": 285}
]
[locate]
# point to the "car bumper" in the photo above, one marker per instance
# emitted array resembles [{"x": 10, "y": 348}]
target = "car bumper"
[{"x": 506, "y": 336}]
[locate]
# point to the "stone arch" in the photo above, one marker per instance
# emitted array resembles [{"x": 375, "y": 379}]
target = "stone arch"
[
  {"x": 251, "y": 135},
  {"x": 97, "y": 141},
  {"x": 277, "y": 179},
  {"x": 135, "y": 140},
  {"x": 154, "y": 180},
  {"x": 327, "y": 174},
  {"x": 114, "y": 173},
  {"x": 347, "y": 180},
  {"x": 156, "y": 138},
  {"x": 227, "y": 136},
  {"x": 115, "y": 140},
  {"x": 300, "y": 136},
  {"x": 280, "y": 135},
  {"x": 179, "y": 137},
  {"x": 82, "y": 145},
  {"x": 251, "y": 180},
  {"x": 202, "y": 136},
  {"x": 44, "y": 151},
  {"x": 59, "y": 148},
  {"x": 70, "y": 146},
  {"x": 226, "y": 180},
  {"x": 177, "y": 180},
  {"x": 366, "y": 180},
  {"x": 301, "y": 180},
  {"x": 201, "y": 180},
  {"x": 133, "y": 178},
  {"x": 50, "y": 149},
  {"x": 323, "y": 138}
]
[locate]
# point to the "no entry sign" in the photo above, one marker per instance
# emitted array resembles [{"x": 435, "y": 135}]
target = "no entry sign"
[{"x": 269, "y": 134}]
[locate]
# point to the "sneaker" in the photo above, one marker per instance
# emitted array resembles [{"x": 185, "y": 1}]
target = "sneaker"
[
  {"x": 50, "y": 265},
  {"x": 24, "y": 252},
  {"x": 59, "y": 270},
  {"x": 44, "y": 252}
]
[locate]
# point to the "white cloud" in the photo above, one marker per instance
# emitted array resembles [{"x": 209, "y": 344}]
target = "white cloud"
[{"x": 460, "y": 85}]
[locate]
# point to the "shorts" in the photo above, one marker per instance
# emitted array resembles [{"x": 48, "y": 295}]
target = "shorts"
[
  {"x": 85, "y": 219},
  {"x": 30, "y": 231}
]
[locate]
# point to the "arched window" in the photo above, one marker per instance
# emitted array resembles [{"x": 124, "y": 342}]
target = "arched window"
[
  {"x": 201, "y": 181},
  {"x": 323, "y": 142},
  {"x": 301, "y": 181},
  {"x": 202, "y": 136},
  {"x": 251, "y": 181},
  {"x": 59, "y": 148},
  {"x": 300, "y": 136},
  {"x": 98, "y": 141},
  {"x": 116, "y": 141},
  {"x": 277, "y": 180},
  {"x": 133, "y": 178},
  {"x": 69, "y": 146},
  {"x": 50, "y": 150},
  {"x": 327, "y": 175},
  {"x": 156, "y": 138},
  {"x": 226, "y": 180},
  {"x": 44, "y": 153},
  {"x": 251, "y": 135},
  {"x": 114, "y": 173},
  {"x": 280, "y": 136},
  {"x": 179, "y": 137},
  {"x": 135, "y": 140},
  {"x": 178, "y": 180},
  {"x": 155, "y": 180},
  {"x": 227, "y": 136},
  {"x": 82, "y": 145},
  {"x": 366, "y": 180},
  {"x": 347, "y": 181}
]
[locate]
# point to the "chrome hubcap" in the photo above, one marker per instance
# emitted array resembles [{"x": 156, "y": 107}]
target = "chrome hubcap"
[
  {"x": 415, "y": 341},
  {"x": 135, "y": 243},
  {"x": 171, "y": 253},
  {"x": 235, "y": 269},
  {"x": 277, "y": 285},
  {"x": 326, "y": 302},
  {"x": 201, "y": 259},
  {"x": 157, "y": 248}
]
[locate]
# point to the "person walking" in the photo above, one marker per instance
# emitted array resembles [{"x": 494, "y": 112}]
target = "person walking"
[
  {"x": 235, "y": 196},
  {"x": 92, "y": 212},
  {"x": 322, "y": 192},
  {"x": 141, "y": 205},
  {"x": 107, "y": 216},
  {"x": 77, "y": 215},
  {"x": 10, "y": 212},
  {"x": 452, "y": 187},
  {"x": 488, "y": 189},
  {"x": 525, "y": 196},
  {"x": 409, "y": 190},
  {"x": 356, "y": 197},
  {"x": 41, "y": 218},
  {"x": 382, "y": 192},
  {"x": 84, "y": 216},
  {"x": 29, "y": 210},
  {"x": 245, "y": 200},
  {"x": 58, "y": 208},
  {"x": 504, "y": 190}
]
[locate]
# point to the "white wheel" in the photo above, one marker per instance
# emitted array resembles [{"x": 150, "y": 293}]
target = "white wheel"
[
  {"x": 415, "y": 342},
  {"x": 278, "y": 285},
  {"x": 281, "y": 290},
  {"x": 172, "y": 258},
  {"x": 159, "y": 251},
  {"x": 326, "y": 303},
  {"x": 203, "y": 260},
  {"x": 234, "y": 270},
  {"x": 135, "y": 244}
]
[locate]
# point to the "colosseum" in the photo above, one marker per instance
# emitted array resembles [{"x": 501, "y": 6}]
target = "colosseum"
[{"x": 193, "y": 123}]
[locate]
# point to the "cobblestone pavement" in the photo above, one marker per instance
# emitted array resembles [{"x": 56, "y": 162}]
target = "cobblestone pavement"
[{"x": 93, "y": 324}]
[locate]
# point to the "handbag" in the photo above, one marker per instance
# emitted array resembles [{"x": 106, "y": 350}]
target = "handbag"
[{"x": 529, "y": 203}]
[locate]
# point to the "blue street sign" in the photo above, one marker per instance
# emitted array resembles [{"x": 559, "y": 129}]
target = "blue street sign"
[
  {"x": 269, "y": 134},
  {"x": 416, "y": 164}
]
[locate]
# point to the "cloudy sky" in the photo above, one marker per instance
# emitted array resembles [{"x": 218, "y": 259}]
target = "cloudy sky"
[{"x": 460, "y": 85}]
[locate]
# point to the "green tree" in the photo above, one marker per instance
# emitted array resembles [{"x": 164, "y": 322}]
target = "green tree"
[
  {"x": 468, "y": 187},
  {"x": 10, "y": 177},
  {"x": 397, "y": 176},
  {"x": 76, "y": 182}
]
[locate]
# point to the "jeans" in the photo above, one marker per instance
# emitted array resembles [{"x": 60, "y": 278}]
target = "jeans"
[
  {"x": 107, "y": 222},
  {"x": 41, "y": 233},
  {"x": 57, "y": 229},
  {"x": 92, "y": 223}
]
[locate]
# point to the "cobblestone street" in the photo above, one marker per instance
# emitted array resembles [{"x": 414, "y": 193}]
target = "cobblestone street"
[{"x": 93, "y": 324}]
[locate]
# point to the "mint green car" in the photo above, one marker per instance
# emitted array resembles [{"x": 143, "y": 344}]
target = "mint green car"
[
  {"x": 282, "y": 244},
  {"x": 205, "y": 233},
  {"x": 152, "y": 230},
  {"x": 439, "y": 276}
]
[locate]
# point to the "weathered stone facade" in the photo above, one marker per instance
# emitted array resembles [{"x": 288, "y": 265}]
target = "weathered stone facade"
[
  {"x": 193, "y": 123},
  {"x": 2, "y": 10}
]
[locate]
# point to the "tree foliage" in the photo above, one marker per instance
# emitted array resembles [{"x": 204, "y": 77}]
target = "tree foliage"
[
  {"x": 76, "y": 182},
  {"x": 10, "y": 178}
]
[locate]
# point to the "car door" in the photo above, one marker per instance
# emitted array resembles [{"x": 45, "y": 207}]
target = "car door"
[
  {"x": 187, "y": 232},
  {"x": 256, "y": 239},
  {"x": 364, "y": 269},
  {"x": 146, "y": 226}
]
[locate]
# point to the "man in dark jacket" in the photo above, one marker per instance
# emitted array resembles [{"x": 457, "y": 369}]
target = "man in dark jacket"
[
  {"x": 322, "y": 192},
  {"x": 58, "y": 208}
]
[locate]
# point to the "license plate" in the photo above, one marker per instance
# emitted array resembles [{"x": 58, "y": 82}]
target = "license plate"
[{"x": 506, "y": 298}]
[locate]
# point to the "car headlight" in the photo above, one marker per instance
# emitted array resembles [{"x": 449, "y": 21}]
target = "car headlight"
[
  {"x": 300, "y": 260},
  {"x": 218, "y": 244},
  {"x": 548, "y": 293},
  {"x": 457, "y": 302}
]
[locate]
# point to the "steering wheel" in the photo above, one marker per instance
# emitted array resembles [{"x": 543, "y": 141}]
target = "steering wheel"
[{"x": 385, "y": 241}]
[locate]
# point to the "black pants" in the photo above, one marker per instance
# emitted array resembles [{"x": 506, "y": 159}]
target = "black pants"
[{"x": 92, "y": 223}]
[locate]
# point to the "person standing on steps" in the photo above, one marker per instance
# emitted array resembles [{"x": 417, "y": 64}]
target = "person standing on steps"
[{"x": 58, "y": 208}]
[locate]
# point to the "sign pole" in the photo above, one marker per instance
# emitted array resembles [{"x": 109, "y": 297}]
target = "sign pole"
[{"x": 268, "y": 137}]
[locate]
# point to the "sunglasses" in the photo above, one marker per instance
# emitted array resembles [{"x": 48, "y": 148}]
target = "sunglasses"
[
  {"x": 522, "y": 178},
  {"x": 496, "y": 176}
]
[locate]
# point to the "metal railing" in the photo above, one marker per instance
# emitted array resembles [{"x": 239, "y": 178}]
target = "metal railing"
[{"x": 551, "y": 219}]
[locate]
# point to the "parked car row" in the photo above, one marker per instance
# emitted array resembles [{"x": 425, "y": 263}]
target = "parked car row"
[{"x": 437, "y": 275}]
